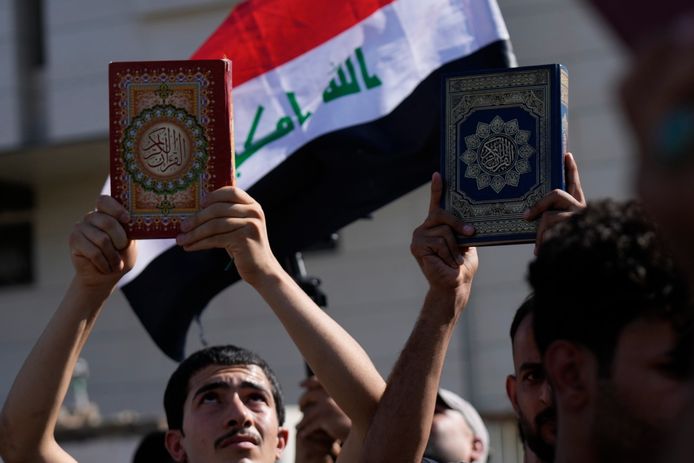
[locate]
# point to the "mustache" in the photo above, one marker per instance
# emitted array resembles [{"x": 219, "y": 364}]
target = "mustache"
[
  {"x": 238, "y": 432},
  {"x": 548, "y": 415}
]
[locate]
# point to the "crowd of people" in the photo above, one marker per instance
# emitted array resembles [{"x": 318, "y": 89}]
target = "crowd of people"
[{"x": 602, "y": 348}]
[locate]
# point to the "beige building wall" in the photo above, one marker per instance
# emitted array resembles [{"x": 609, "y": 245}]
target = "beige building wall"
[{"x": 374, "y": 287}]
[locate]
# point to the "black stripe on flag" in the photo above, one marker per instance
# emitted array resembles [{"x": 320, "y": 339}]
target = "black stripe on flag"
[{"x": 327, "y": 184}]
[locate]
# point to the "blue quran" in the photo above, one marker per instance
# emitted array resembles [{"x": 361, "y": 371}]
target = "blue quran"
[{"x": 504, "y": 136}]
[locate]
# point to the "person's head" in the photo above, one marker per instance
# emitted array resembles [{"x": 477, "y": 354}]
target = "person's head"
[
  {"x": 224, "y": 403},
  {"x": 528, "y": 388},
  {"x": 152, "y": 449},
  {"x": 457, "y": 431},
  {"x": 662, "y": 123},
  {"x": 612, "y": 321}
]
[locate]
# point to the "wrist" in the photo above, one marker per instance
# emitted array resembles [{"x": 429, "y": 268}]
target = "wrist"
[
  {"x": 444, "y": 305},
  {"x": 92, "y": 290},
  {"x": 269, "y": 276}
]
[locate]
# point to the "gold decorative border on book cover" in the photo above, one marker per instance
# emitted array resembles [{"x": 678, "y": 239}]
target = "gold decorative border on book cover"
[{"x": 496, "y": 154}]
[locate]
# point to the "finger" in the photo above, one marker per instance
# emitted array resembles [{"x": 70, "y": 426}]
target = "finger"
[
  {"x": 310, "y": 427},
  {"x": 552, "y": 201},
  {"x": 215, "y": 227},
  {"x": 436, "y": 191},
  {"x": 228, "y": 194},
  {"x": 310, "y": 417},
  {"x": 102, "y": 241},
  {"x": 221, "y": 209},
  {"x": 310, "y": 383},
  {"x": 313, "y": 396},
  {"x": 108, "y": 205},
  {"x": 109, "y": 225},
  {"x": 573, "y": 180},
  {"x": 445, "y": 232},
  {"x": 211, "y": 242},
  {"x": 439, "y": 216},
  {"x": 83, "y": 248},
  {"x": 427, "y": 246},
  {"x": 548, "y": 221}
]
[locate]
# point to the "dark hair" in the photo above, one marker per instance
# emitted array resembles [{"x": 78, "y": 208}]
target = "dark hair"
[
  {"x": 177, "y": 387},
  {"x": 523, "y": 311},
  {"x": 152, "y": 449},
  {"x": 600, "y": 270}
]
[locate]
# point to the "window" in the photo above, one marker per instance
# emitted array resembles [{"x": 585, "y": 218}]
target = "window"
[{"x": 16, "y": 235}]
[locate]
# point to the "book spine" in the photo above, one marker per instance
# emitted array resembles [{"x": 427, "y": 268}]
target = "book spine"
[
  {"x": 230, "y": 114},
  {"x": 564, "y": 115}
]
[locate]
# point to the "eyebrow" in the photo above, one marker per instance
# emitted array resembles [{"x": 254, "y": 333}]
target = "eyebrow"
[
  {"x": 224, "y": 385},
  {"x": 529, "y": 366},
  {"x": 210, "y": 387}
]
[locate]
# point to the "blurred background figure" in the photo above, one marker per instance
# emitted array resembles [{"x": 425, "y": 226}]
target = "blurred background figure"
[
  {"x": 457, "y": 432},
  {"x": 151, "y": 449}
]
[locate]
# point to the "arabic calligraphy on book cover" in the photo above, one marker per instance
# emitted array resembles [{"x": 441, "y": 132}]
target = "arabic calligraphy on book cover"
[
  {"x": 171, "y": 139},
  {"x": 504, "y": 136}
]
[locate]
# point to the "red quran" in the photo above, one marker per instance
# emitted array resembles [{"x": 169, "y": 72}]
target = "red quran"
[{"x": 171, "y": 139}]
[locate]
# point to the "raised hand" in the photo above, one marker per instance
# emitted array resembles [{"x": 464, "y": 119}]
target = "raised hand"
[
  {"x": 101, "y": 252},
  {"x": 558, "y": 205},
  {"x": 321, "y": 413},
  {"x": 231, "y": 219},
  {"x": 323, "y": 427},
  {"x": 445, "y": 264}
]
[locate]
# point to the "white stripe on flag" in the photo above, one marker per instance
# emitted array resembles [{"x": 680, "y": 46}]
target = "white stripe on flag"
[{"x": 401, "y": 44}]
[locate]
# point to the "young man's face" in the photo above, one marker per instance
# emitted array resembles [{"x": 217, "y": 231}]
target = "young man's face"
[
  {"x": 638, "y": 409},
  {"x": 229, "y": 416},
  {"x": 531, "y": 395},
  {"x": 451, "y": 438}
]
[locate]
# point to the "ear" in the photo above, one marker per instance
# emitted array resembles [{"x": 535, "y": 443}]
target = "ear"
[
  {"x": 282, "y": 439},
  {"x": 511, "y": 383},
  {"x": 572, "y": 372},
  {"x": 174, "y": 444},
  {"x": 477, "y": 449}
]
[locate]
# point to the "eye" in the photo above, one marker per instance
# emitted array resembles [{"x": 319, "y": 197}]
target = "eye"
[
  {"x": 257, "y": 397},
  {"x": 210, "y": 397},
  {"x": 534, "y": 376}
]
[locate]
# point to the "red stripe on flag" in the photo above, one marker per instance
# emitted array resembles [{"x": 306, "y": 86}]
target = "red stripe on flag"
[{"x": 260, "y": 35}]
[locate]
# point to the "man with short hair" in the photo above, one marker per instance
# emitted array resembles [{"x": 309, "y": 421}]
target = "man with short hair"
[
  {"x": 618, "y": 351},
  {"x": 223, "y": 403},
  {"x": 529, "y": 391},
  {"x": 224, "y": 379}
]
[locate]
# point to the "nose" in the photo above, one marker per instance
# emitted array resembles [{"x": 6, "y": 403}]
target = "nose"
[
  {"x": 238, "y": 414},
  {"x": 546, "y": 393}
]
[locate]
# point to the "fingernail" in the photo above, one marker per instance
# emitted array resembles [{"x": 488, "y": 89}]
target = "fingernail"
[
  {"x": 526, "y": 214},
  {"x": 180, "y": 239},
  {"x": 185, "y": 225},
  {"x": 468, "y": 230},
  {"x": 125, "y": 217}
]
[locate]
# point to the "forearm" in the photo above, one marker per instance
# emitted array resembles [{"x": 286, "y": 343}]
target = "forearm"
[
  {"x": 29, "y": 416},
  {"x": 339, "y": 362},
  {"x": 400, "y": 428}
]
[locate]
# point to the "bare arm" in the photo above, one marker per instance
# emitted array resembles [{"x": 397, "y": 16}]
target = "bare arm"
[
  {"x": 101, "y": 254},
  {"x": 400, "y": 428},
  {"x": 234, "y": 221}
]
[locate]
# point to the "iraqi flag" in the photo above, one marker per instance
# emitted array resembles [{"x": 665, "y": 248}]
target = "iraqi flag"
[{"x": 337, "y": 113}]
